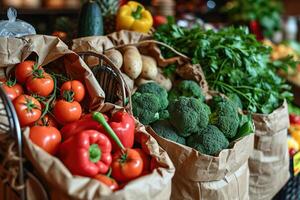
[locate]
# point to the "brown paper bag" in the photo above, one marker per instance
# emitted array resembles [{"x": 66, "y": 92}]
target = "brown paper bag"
[
  {"x": 200, "y": 176},
  {"x": 269, "y": 161},
  {"x": 64, "y": 186},
  {"x": 146, "y": 46},
  {"x": 49, "y": 49}
]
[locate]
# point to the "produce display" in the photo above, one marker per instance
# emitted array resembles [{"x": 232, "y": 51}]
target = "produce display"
[
  {"x": 184, "y": 117},
  {"x": 263, "y": 16},
  {"x": 294, "y": 130},
  {"x": 93, "y": 145},
  {"x": 233, "y": 61},
  {"x": 195, "y": 97}
]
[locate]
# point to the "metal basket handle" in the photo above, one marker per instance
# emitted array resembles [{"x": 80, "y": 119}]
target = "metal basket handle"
[
  {"x": 126, "y": 93},
  {"x": 14, "y": 131}
]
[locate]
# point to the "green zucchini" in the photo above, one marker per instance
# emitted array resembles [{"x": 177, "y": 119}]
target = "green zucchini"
[{"x": 90, "y": 19}]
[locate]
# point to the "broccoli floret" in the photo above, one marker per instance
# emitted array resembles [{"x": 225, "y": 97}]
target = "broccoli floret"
[
  {"x": 145, "y": 107},
  {"x": 225, "y": 116},
  {"x": 186, "y": 88},
  {"x": 188, "y": 115},
  {"x": 209, "y": 140},
  {"x": 164, "y": 114},
  {"x": 164, "y": 129},
  {"x": 235, "y": 100},
  {"x": 157, "y": 90}
]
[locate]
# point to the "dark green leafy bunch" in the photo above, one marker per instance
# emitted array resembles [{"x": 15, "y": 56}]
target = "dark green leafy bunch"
[
  {"x": 233, "y": 61},
  {"x": 187, "y": 88},
  {"x": 266, "y": 12}
]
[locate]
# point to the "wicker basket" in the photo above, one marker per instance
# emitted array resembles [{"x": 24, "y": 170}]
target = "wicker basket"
[{"x": 15, "y": 176}]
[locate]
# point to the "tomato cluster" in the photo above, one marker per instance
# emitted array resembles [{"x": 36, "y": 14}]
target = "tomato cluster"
[
  {"x": 53, "y": 112},
  {"x": 33, "y": 93}
]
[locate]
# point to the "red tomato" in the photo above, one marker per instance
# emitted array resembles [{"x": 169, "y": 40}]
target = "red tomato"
[
  {"x": 159, "y": 20},
  {"x": 75, "y": 86},
  {"x": 28, "y": 109},
  {"x": 294, "y": 119},
  {"x": 146, "y": 161},
  {"x": 46, "y": 137},
  {"x": 41, "y": 85},
  {"x": 24, "y": 70},
  {"x": 126, "y": 166},
  {"x": 12, "y": 90},
  {"x": 110, "y": 182},
  {"x": 47, "y": 121},
  {"x": 66, "y": 112}
]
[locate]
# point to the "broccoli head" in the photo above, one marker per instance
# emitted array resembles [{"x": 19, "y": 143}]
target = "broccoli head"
[
  {"x": 188, "y": 115},
  {"x": 209, "y": 140},
  {"x": 186, "y": 88},
  {"x": 164, "y": 129},
  {"x": 225, "y": 116},
  {"x": 235, "y": 100},
  {"x": 145, "y": 107},
  {"x": 164, "y": 114},
  {"x": 157, "y": 90}
]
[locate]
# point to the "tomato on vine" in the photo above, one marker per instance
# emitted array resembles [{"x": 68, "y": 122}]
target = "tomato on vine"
[
  {"x": 12, "y": 89},
  {"x": 67, "y": 110},
  {"x": 75, "y": 86},
  {"x": 25, "y": 69},
  {"x": 40, "y": 83},
  {"x": 28, "y": 109}
]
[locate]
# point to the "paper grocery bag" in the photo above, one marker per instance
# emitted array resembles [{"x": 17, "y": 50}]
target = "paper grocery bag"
[
  {"x": 146, "y": 46},
  {"x": 64, "y": 186},
  {"x": 269, "y": 161},
  {"x": 199, "y": 176},
  {"x": 53, "y": 52}
]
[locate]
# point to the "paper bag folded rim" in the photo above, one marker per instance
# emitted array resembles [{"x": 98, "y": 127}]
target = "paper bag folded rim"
[
  {"x": 48, "y": 49},
  {"x": 195, "y": 166}
]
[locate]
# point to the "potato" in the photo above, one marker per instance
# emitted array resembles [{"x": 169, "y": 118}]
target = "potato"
[
  {"x": 115, "y": 56},
  {"x": 132, "y": 62},
  {"x": 129, "y": 82},
  {"x": 163, "y": 81},
  {"x": 149, "y": 70},
  {"x": 141, "y": 81},
  {"x": 91, "y": 61}
]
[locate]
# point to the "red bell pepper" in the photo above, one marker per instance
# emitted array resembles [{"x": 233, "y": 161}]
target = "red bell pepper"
[
  {"x": 87, "y": 153},
  {"x": 127, "y": 163},
  {"x": 123, "y": 125},
  {"x": 85, "y": 123}
]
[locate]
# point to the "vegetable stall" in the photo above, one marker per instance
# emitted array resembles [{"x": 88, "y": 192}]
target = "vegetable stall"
[{"x": 139, "y": 112}]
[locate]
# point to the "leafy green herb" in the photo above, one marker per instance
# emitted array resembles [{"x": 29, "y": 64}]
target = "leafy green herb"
[
  {"x": 233, "y": 61},
  {"x": 266, "y": 12}
]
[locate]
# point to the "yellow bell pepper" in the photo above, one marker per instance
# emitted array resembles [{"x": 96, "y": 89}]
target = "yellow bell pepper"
[{"x": 133, "y": 16}]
